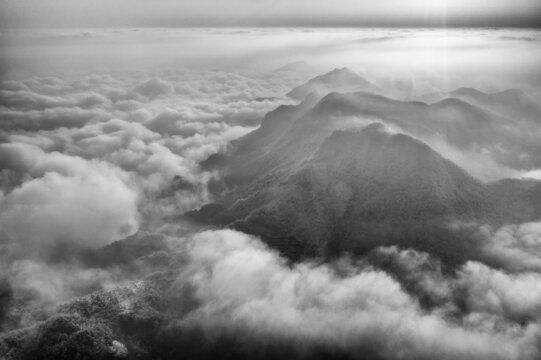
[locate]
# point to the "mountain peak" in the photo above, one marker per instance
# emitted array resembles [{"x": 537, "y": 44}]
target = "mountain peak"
[
  {"x": 452, "y": 102},
  {"x": 343, "y": 70},
  {"x": 337, "y": 80},
  {"x": 511, "y": 94},
  {"x": 467, "y": 91},
  {"x": 377, "y": 139},
  {"x": 341, "y": 74},
  {"x": 296, "y": 66},
  {"x": 377, "y": 127},
  {"x": 357, "y": 188}
]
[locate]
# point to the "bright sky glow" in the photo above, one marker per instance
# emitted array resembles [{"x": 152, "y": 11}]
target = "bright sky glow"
[{"x": 159, "y": 13}]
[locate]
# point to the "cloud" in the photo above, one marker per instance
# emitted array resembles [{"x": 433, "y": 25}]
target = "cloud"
[
  {"x": 154, "y": 87},
  {"x": 48, "y": 119},
  {"x": 61, "y": 199},
  {"x": 47, "y": 286},
  {"x": 420, "y": 273},
  {"x": 56, "y": 209},
  {"x": 495, "y": 291},
  {"x": 184, "y": 123},
  {"x": 477, "y": 161},
  {"x": 94, "y": 100},
  {"x": 243, "y": 285},
  {"x": 95, "y": 123},
  {"x": 26, "y": 100},
  {"x": 514, "y": 247},
  {"x": 532, "y": 174}
]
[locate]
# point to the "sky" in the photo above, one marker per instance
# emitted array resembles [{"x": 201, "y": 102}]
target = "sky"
[
  {"x": 107, "y": 13},
  {"x": 101, "y": 135}
]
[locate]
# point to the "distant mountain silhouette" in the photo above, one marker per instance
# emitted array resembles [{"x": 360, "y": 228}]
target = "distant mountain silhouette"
[
  {"x": 512, "y": 109},
  {"x": 461, "y": 124},
  {"x": 511, "y": 102},
  {"x": 340, "y": 80},
  {"x": 297, "y": 66}
]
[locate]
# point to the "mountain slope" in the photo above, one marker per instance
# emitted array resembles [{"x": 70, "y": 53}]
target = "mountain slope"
[
  {"x": 316, "y": 179},
  {"x": 359, "y": 189}
]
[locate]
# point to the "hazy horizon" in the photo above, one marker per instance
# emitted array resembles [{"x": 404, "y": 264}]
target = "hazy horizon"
[{"x": 169, "y": 13}]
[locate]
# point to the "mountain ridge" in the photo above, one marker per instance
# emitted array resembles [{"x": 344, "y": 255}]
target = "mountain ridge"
[
  {"x": 339, "y": 79},
  {"x": 346, "y": 172}
]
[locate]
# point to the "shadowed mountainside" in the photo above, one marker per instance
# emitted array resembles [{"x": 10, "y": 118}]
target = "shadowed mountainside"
[
  {"x": 289, "y": 129},
  {"x": 326, "y": 177}
]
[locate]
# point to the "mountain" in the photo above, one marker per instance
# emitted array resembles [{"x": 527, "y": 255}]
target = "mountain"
[
  {"x": 360, "y": 188},
  {"x": 339, "y": 80},
  {"x": 458, "y": 122},
  {"x": 519, "y": 200},
  {"x": 124, "y": 251},
  {"x": 347, "y": 172},
  {"x": 290, "y": 134},
  {"x": 511, "y": 109},
  {"x": 512, "y": 103}
]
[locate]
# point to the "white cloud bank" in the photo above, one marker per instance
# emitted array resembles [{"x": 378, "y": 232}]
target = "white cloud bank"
[
  {"x": 244, "y": 285},
  {"x": 88, "y": 161}
]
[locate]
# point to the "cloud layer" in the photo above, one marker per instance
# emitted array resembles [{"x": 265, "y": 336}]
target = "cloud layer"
[
  {"x": 352, "y": 308},
  {"x": 96, "y": 168}
]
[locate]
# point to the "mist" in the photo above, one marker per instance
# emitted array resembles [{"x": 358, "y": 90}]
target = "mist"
[{"x": 269, "y": 192}]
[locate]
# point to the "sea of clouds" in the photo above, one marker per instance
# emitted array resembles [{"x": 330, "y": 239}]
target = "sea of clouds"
[{"x": 89, "y": 157}]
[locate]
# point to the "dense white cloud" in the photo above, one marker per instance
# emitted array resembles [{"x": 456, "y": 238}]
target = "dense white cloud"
[
  {"x": 515, "y": 247},
  {"x": 242, "y": 284},
  {"x": 83, "y": 164},
  {"x": 494, "y": 291},
  {"x": 48, "y": 286},
  {"x": 154, "y": 87},
  {"x": 64, "y": 199}
]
